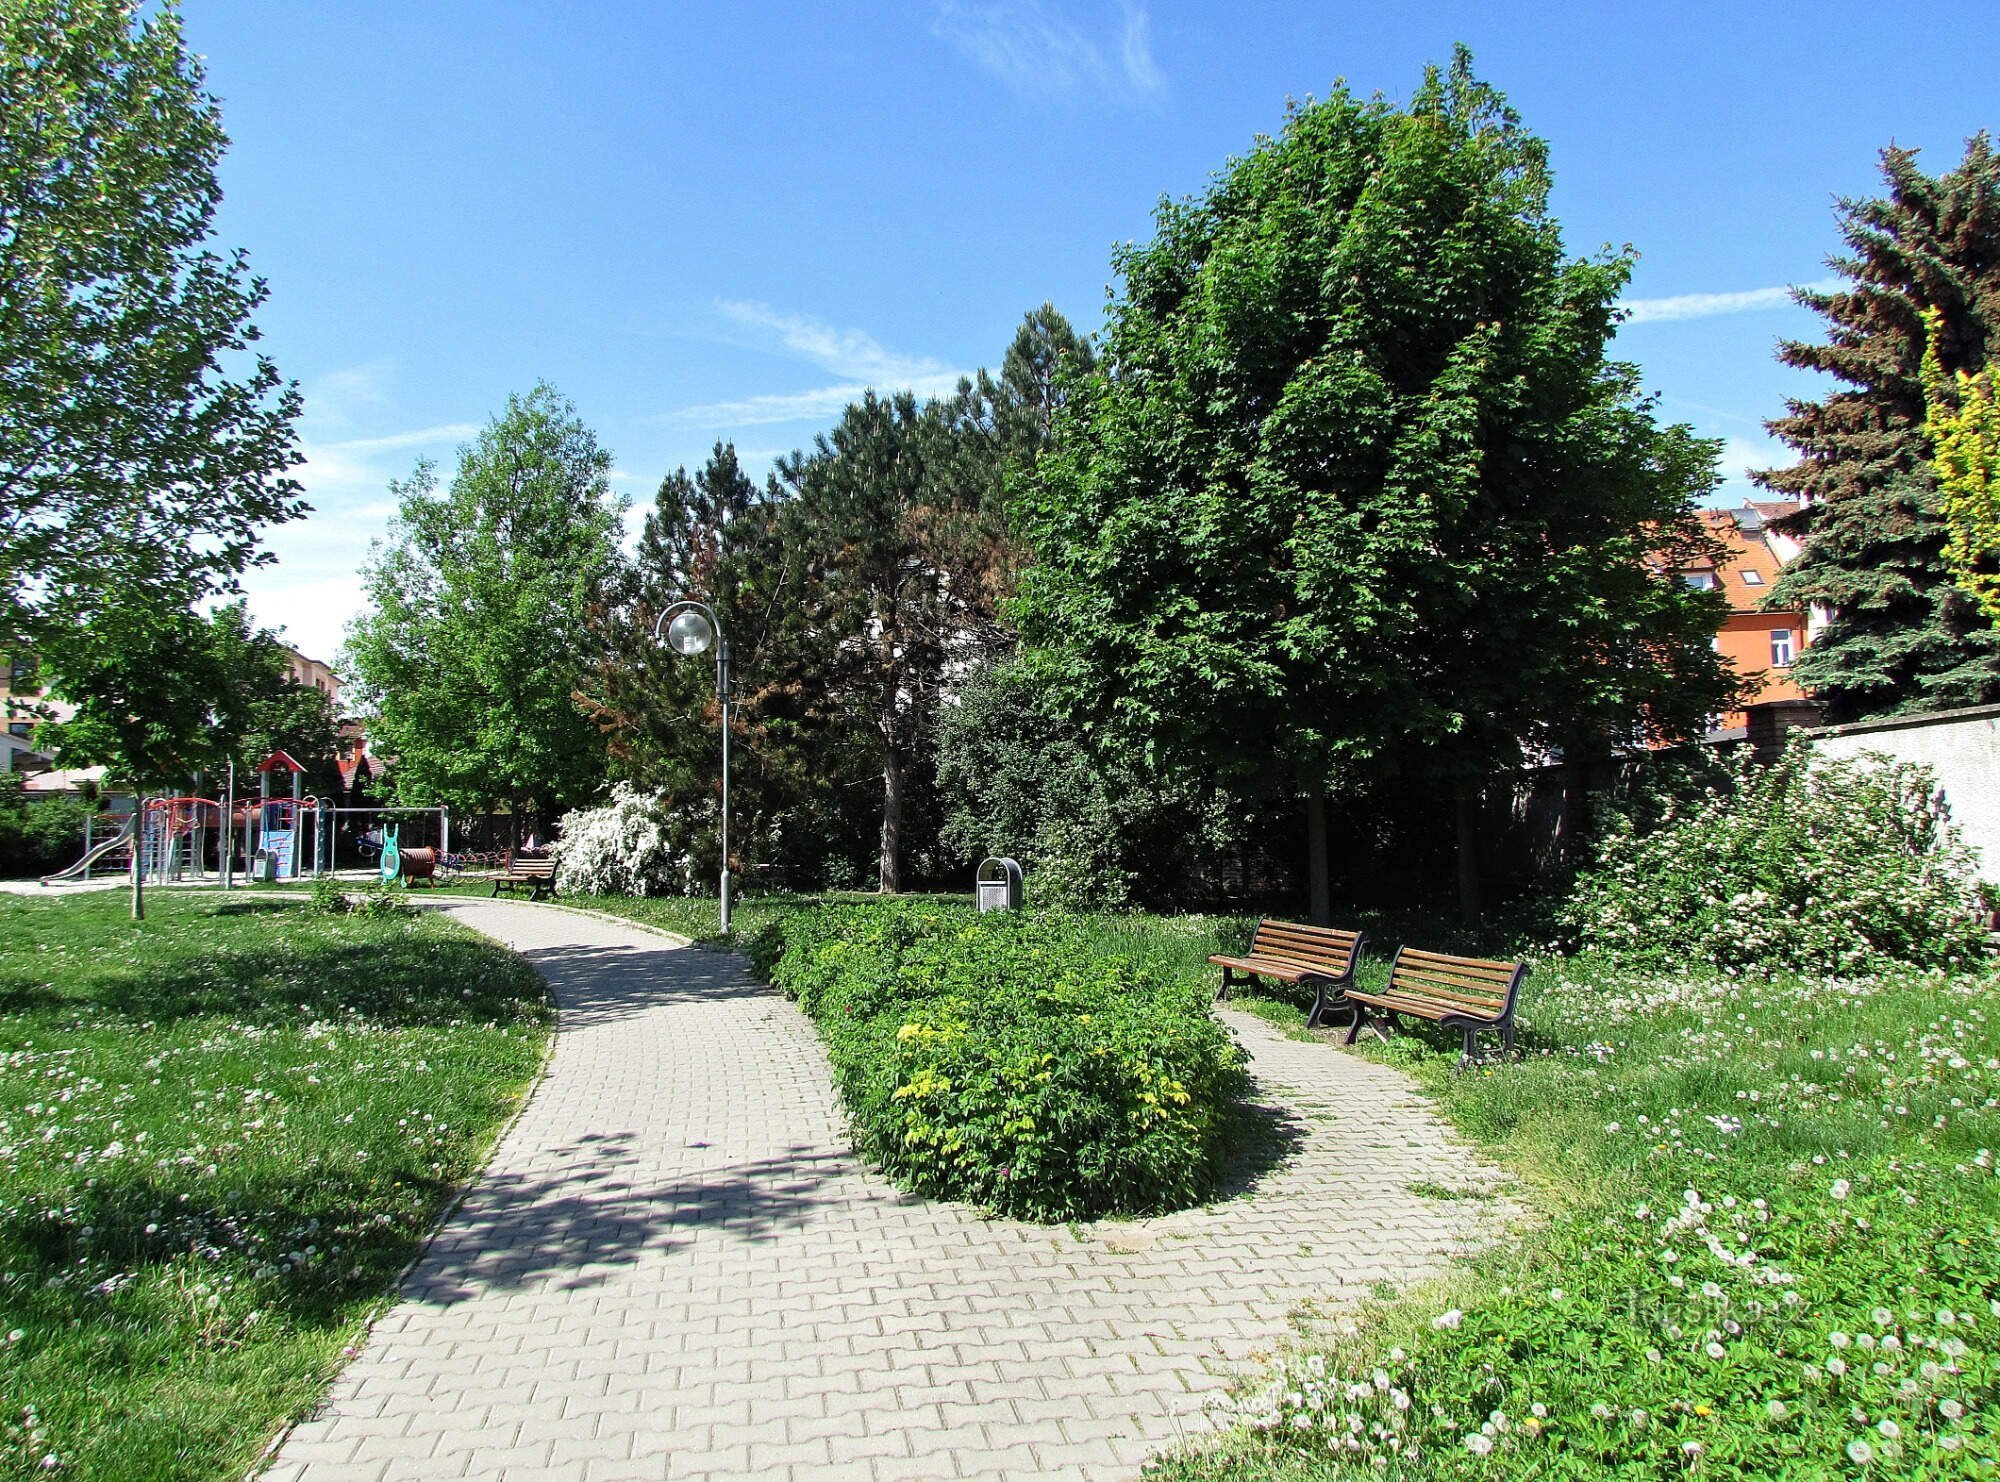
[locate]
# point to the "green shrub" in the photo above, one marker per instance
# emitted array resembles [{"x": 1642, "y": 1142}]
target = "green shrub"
[
  {"x": 1812, "y": 864},
  {"x": 38, "y": 837},
  {"x": 1011, "y": 1060},
  {"x": 326, "y": 898},
  {"x": 384, "y": 900}
]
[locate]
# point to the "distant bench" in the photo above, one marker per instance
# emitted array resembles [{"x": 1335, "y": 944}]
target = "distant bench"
[
  {"x": 1288, "y": 952},
  {"x": 1470, "y": 994},
  {"x": 538, "y": 876}
]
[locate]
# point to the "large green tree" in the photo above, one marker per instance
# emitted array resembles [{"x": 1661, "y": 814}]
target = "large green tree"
[
  {"x": 162, "y": 695},
  {"x": 141, "y": 445},
  {"x": 476, "y": 645},
  {"x": 1355, "y": 489},
  {"x": 1902, "y": 635}
]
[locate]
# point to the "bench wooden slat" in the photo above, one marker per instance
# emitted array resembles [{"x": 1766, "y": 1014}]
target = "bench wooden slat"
[
  {"x": 1289, "y": 952},
  {"x": 1477, "y": 993},
  {"x": 539, "y": 875},
  {"x": 1459, "y": 967}
]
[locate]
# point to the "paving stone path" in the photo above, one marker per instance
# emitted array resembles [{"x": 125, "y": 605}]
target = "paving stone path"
[{"x": 674, "y": 1266}]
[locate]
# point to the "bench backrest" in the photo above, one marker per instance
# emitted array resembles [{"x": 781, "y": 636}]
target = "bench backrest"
[
  {"x": 1324, "y": 947},
  {"x": 1481, "y": 987},
  {"x": 546, "y": 865}
]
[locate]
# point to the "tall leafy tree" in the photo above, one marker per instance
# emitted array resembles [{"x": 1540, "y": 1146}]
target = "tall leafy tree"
[
  {"x": 1902, "y": 635},
  {"x": 477, "y": 643},
  {"x": 164, "y": 695},
  {"x": 1355, "y": 488},
  {"x": 1962, "y": 420},
  {"x": 139, "y": 447}
]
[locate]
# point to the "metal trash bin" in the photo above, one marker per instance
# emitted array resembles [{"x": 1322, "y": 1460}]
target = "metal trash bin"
[
  {"x": 998, "y": 884},
  {"x": 264, "y": 867}
]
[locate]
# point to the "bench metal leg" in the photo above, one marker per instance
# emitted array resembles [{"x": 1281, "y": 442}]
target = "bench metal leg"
[{"x": 1365, "y": 1020}]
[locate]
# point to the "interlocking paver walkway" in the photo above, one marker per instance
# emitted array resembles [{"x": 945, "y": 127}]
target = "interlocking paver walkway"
[{"x": 674, "y": 1266}]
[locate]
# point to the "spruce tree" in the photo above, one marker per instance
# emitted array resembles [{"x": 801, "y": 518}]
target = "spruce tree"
[{"x": 1902, "y": 636}]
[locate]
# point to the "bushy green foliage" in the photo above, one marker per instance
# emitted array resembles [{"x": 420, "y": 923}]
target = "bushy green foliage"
[
  {"x": 1011, "y": 1060},
  {"x": 1814, "y": 864},
  {"x": 326, "y": 898},
  {"x": 1093, "y": 829},
  {"x": 1962, "y": 420},
  {"x": 40, "y": 837}
]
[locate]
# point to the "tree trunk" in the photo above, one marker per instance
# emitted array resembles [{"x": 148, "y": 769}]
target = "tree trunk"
[
  {"x": 892, "y": 822},
  {"x": 1320, "y": 888},
  {"x": 1467, "y": 807},
  {"x": 1583, "y": 758}
]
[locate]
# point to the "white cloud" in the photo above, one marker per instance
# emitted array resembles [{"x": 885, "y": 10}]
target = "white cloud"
[
  {"x": 1708, "y": 305},
  {"x": 1740, "y": 455},
  {"x": 1037, "y": 53},
  {"x": 852, "y": 353},
  {"x": 335, "y": 398},
  {"x": 856, "y": 356},
  {"x": 822, "y": 404},
  {"x": 315, "y": 586},
  {"x": 449, "y": 432}
]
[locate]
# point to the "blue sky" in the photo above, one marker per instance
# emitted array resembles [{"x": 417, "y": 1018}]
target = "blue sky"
[{"x": 706, "y": 221}]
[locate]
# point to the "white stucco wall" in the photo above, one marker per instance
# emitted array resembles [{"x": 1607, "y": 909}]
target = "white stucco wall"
[{"x": 1961, "y": 746}]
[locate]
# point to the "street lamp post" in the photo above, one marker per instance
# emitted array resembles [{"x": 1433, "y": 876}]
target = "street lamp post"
[{"x": 690, "y": 628}]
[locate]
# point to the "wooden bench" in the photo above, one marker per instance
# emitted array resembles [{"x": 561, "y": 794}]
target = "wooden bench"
[
  {"x": 538, "y": 875},
  {"x": 1470, "y": 994},
  {"x": 1288, "y": 952}
]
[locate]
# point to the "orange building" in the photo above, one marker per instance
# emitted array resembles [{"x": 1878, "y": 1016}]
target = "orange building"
[{"x": 1759, "y": 643}]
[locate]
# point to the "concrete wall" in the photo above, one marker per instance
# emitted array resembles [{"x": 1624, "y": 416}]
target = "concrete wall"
[{"x": 1961, "y": 746}]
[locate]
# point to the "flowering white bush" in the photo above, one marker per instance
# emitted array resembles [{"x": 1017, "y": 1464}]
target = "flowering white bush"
[
  {"x": 636, "y": 844},
  {"x": 1813, "y": 864}
]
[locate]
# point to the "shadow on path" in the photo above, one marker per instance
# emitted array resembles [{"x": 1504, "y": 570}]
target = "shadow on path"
[{"x": 572, "y": 1230}]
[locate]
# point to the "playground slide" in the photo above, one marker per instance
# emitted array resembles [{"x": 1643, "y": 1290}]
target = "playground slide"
[{"x": 117, "y": 841}]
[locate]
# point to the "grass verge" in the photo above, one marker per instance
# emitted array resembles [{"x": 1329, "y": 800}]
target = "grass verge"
[
  {"x": 223, "y": 1133},
  {"x": 1769, "y": 1250}
]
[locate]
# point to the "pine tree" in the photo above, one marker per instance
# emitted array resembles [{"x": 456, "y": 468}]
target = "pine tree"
[{"x": 1902, "y": 635}]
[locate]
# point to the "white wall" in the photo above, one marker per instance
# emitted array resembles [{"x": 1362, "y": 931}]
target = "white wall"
[{"x": 1961, "y": 746}]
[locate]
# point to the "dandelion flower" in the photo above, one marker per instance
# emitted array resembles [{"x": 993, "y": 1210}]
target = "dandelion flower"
[
  {"x": 1860, "y": 1452},
  {"x": 1950, "y": 1409},
  {"x": 1841, "y": 1188},
  {"x": 1479, "y": 1445},
  {"x": 1447, "y": 1320},
  {"x": 1775, "y": 1409}
]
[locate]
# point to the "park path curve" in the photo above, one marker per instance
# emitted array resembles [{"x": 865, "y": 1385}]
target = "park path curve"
[{"x": 675, "y": 1267}]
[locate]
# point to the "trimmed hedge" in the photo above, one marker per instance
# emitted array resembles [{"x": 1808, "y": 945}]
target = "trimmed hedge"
[{"x": 1013, "y": 1061}]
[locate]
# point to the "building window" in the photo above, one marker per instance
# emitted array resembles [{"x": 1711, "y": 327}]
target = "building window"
[
  {"x": 21, "y": 728},
  {"x": 1782, "y": 651},
  {"x": 1753, "y": 579},
  {"x": 1701, "y": 581}
]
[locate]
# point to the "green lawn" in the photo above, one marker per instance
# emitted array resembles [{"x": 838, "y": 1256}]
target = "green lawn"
[
  {"x": 1766, "y": 1248},
  {"x": 223, "y": 1133}
]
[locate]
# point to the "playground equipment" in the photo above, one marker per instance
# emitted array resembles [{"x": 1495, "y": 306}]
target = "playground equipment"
[
  {"x": 175, "y": 835},
  {"x": 280, "y": 834},
  {"x": 97, "y": 853},
  {"x": 370, "y": 849},
  {"x": 410, "y": 865}
]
